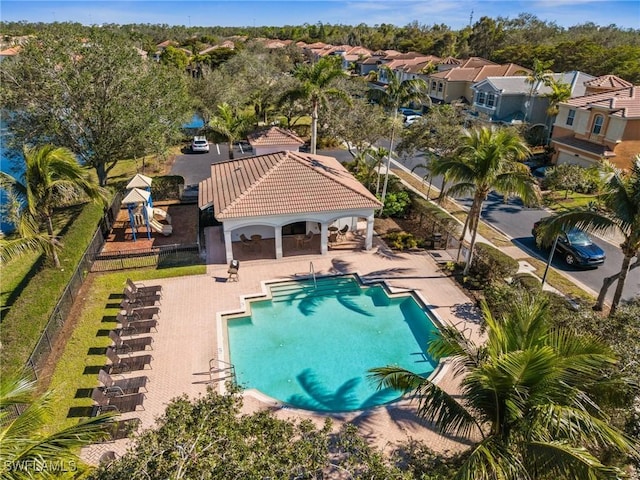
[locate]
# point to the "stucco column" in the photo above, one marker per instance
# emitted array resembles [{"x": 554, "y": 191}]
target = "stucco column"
[
  {"x": 368, "y": 241},
  {"x": 324, "y": 240},
  {"x": 228, "y": 246},
  {"x": 278, "y": 231}
]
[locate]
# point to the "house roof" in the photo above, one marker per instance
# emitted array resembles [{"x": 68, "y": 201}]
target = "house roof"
[
  {"x": 474, "y": 62},
  {"x": 463, "y": 74},
  {"x": 593, "y": 148},
  {"x": 282, "y": 183},
  {"x": 624, "y": 102},
  {"x": 274, "y": 136},
  {"x": 609, "y": 82},
  {"x": 519, "y": 85},
  {"x": 139, "y": 181},
  {"x": 136, "y": 195},
  {"x": 10, "y": 52}
]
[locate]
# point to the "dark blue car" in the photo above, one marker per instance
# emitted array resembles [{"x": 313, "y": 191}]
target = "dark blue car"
[{"x": 576, "y": 248}]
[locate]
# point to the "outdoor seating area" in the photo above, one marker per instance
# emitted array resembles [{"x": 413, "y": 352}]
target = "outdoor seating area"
[{"x": 138, "y": 316}]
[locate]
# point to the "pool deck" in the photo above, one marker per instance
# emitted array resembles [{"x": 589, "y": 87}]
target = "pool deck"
[{"x": 188, "y": 337}]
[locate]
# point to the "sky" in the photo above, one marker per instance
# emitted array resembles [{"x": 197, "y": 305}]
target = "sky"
[{"x": 454, "y": 13}]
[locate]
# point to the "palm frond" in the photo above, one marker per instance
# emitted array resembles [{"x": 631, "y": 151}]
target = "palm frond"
[{"x": 491, "y": 460}]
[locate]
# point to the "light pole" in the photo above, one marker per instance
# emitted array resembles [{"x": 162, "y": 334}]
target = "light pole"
[{"x": 546, "y": 270}]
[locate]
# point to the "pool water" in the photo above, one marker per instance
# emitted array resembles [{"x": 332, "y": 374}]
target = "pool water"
[{"x": 311, "y": 346}]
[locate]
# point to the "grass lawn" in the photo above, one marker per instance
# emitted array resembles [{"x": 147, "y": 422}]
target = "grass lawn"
[
  {"x": 555, "y": 200},
  {"x": 76, "y": 372}
]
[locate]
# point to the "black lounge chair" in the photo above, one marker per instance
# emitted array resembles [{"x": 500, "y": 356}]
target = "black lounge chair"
[
  {"x": 140, "y": 289},
  {"x": 131, "y": 301},
  {"x": 126, "y": 364},
  {"x": 121, "y": 385},
  {"x": 131, "y": 325},
  {"x": 118, "y": 403},
  {"x": 342, "y": 233},
  {"x": 128, "y": 345}
]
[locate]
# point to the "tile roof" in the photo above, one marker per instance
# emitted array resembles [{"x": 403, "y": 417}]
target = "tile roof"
[
  {"x": 274, "y": 136},
  {"x": 282, "y": 183},
  {"x": 11, "y": 51},
  {"x": 464, "y": 74},
  {"x": 474, "y": 62},
  {"x": 593, "y": 148},
  {"x": 624, "y": 102},
  {"x": 518, "y": 84},
  {"x": 608, "y": 81}
]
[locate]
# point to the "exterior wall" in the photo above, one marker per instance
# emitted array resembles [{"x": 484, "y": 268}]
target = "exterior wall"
[
  {"x": 275, "y": 148},
  {"x": 454, "y": 90},
  {"x": 567, "y": 156}
]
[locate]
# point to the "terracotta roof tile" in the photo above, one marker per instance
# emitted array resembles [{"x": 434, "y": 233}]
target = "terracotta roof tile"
[
  {"x": 282, "y": 183},
  {"x": 624, "y": 102},
  {"x": 463, "y": 74},
  {"x": 274, "y": 136},
  {"x": 608, "y": 81}
]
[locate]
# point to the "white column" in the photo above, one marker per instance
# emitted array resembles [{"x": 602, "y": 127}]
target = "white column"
[
  {"x": 278, "y": 232},
  {"x": 324, "y": 247},
  {"x": 228, "y": 246},
  {"x": 368, "y": 241}
]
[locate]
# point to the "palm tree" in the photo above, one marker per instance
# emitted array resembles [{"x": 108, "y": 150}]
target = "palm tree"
[
  {"x": 52, "y": 178},
  {"x": 25, "y": 445},
  {"x": 230, "y": 124},
  {"x": 529, "y": 393},
  {"x": 392, "y": 97},
  {"x": 535, "y": 79},
  {"x": 487, "y": 161},
  {"x": 622, "y": 214},
  {"x": 317, "y": 84},
  {"x": 560, "y": 92}
]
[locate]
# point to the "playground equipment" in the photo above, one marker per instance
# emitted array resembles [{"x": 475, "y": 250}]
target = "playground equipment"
[{"x": 141, "y": 211}]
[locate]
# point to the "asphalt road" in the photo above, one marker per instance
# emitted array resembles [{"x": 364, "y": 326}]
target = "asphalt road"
[
  {"x": 513, "y": 219},
  {"x": 516, "y": 221}
]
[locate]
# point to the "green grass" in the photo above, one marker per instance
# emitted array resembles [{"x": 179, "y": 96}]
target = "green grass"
[
  {"x": 560, "y": 282},
  {"x": 555, "y": 200},
  {"x": 76, "y": 373}
]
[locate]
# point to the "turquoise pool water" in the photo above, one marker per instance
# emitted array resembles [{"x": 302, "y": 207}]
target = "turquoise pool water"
[{"x": 311, "y": 346}]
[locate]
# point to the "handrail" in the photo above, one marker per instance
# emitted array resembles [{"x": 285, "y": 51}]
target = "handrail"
[{"x": 312, "y": 272}]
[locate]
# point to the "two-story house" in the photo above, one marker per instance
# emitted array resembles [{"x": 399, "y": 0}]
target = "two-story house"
[
  {"x": 512, "y": 100},
  {"x": 602, "y": 125}
]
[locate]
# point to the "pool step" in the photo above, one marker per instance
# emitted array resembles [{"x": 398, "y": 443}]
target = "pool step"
[{"x": 323, "y": 286}]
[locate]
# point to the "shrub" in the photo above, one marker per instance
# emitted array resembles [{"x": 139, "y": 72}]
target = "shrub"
[
  {"x": 168, "y": 187},
  {"x": 396, "y": 204},
  {"x": 527, "y": 281},
  {"x": 401, "y": 240},
  {"x": 492, "y": 264}
]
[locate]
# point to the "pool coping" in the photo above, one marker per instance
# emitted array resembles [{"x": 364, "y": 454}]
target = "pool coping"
[{"x": 222, "y": 317}]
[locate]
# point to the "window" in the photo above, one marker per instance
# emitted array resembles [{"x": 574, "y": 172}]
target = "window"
[
  {"x": 571, "y": 116},
  {"x": 480, "y": 98},
  {"x": 440, "y": 87},
  {"x": 433, "y": 86},
  {"x": 597, "y": 124},
  {"x": 491, "y": 100}
]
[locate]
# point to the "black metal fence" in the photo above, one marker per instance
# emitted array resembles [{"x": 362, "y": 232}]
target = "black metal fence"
[{"x": 160, "y": 256}]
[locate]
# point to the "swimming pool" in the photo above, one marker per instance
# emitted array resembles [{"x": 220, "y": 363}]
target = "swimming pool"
[{"x": 311, "y": 345}]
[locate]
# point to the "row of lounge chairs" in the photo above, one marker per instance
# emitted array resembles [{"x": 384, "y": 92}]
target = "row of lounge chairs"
[{"x": 139, "y": 315}]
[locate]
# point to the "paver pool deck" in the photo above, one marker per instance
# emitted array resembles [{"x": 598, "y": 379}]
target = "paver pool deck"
[{"x": 187, "y": 337}]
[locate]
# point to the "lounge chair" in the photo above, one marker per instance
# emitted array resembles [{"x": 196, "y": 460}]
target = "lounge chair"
[
  {"x": 246, "y": 243},
  {"x": 139, "y": 293},
  {"x": 141, "y": 313},
  {"x": 121, "y": 385},
  {"x": 128, "y": 345},
  {"x": 141, "y": 288},
  {"x": 131, "y": 301},
  {"x": 126, "y": 364},
  {"x": 117, "y": 403},
  {"x": 333, "y": 238}
]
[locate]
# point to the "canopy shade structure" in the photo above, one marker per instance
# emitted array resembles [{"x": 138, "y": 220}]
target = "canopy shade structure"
[
  {"x": 140, "y": 181},
  {"x": 136, "y": 195}
]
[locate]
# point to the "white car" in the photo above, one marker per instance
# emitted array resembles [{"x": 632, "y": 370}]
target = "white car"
[
  {"x": 410, "y": 119},
  {"x": 199, "y": 144}
]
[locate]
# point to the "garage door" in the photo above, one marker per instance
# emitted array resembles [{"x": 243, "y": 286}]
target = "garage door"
[{"x": 564, "y": 157}]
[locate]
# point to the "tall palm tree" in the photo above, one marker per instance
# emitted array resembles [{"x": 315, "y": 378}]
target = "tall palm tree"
[
  {"x": 535, "y": 78},
  {"x": 487, "y": 161},
  {"x": 530, "y": 393},
  {"x": 53, "y": 178},
  {"x": 395, "y": 94},
  {"x": 560, "y": 92},
  {"x": 317, "y": 84},
  {"x": 25, "y": 449},
  {"x": 230, "y": 124},
  {"x": 622, "y": 214}
]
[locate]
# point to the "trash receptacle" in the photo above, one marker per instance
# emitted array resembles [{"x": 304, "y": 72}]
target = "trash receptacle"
[
  {"x": 234, "y": 266},
  {"x": 437, "y": 240}
]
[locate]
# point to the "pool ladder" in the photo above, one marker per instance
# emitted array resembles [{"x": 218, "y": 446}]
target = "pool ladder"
[
  {"x": 220, "y": 370},
  {"x": 312, "y": 272}
]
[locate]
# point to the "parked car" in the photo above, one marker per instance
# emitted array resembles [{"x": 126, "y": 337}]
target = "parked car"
[
  {"x": 576, "y": 247},
  {"x": 406, "y": 111},
  {"x": 410, "y": 119},
  {"x": 199, "y": 144}
]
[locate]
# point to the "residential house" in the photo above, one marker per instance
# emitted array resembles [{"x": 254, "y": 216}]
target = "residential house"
[
  {"x": 511, "y": 100},
  {"x": 598, "y": 126},
  {"x": 9, "y": 52},
  {"x": 160, "y": 47},
  {"x": 606, "y": 83},
  {"x": 455, "y": 84}
]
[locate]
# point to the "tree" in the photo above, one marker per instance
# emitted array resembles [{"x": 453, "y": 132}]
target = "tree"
[
  {"x": 488, "y": 161},
  {"x": 95, "y": 95},
  {"x": 53, "y": 178},
  {"x": 175, "y": 57},
  {"x": 316, "y": 86},
  {"x": 530, "y": 392},
  {"x": 230, "y": 124},
  {"x": 535, "y": 78},
  {"x": 26, "y": 450},
  {"x": 394, "y": 95},
  {"x": 560, "y": 92},
  {"x": 621, "y": 214}
]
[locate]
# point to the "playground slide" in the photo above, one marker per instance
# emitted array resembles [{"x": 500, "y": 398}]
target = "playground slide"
[
  {"x": 156, "y": 226},
  {"x": 159, "y": 213}
]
